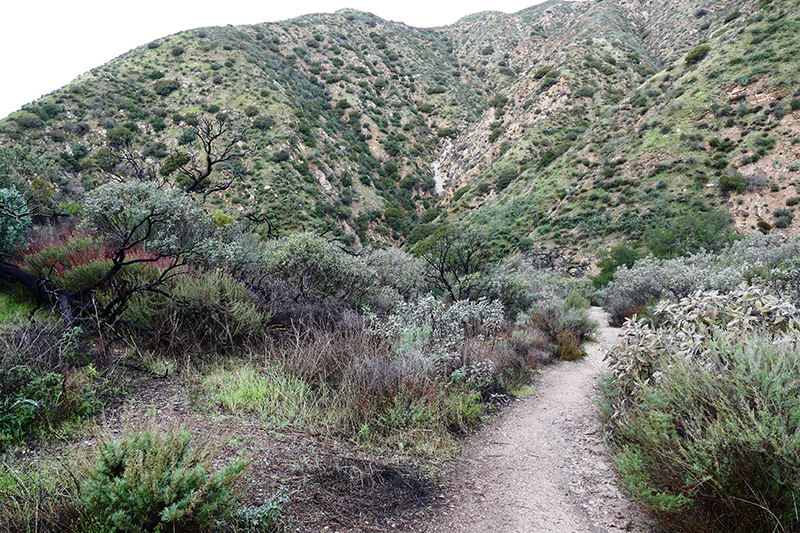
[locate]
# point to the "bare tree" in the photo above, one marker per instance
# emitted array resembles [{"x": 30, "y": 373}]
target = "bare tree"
[{"x": 220, "y": 142}]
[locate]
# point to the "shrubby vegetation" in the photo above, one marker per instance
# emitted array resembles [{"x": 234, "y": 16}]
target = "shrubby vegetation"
[
  {"x": 408, "y": 351},
  {"x": 702, "y": 404},
  {"x": 651, "y": 279},
  {"x": 151, "y": 478}
]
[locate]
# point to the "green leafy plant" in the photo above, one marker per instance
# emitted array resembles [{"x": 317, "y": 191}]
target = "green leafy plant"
[
  {"x": 697, "y": 54},
  {"x": 159, "y": 478},
  {"x": 712, "y": 443},
  {"x": 15, "y": 220},
  {"x": 44, "y": 380},
  {"x": 166, "y": 87}
]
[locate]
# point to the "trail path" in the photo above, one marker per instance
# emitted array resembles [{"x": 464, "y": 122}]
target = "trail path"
[{"x": 543, "y": 466}]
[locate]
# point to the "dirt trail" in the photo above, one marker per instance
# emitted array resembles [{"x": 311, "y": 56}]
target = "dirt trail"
[{"x": 542, "y": 467}]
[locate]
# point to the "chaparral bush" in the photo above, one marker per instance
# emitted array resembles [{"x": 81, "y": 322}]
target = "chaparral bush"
[
  {"x": 201, "y": 311},
  {"x": 651, "y": 279},
  {"x": 15, "y": 220},
  {"x": 703, "y": 410},
  {"x": 319, "y": 269},
  {"x": 162, "y": 219},
  {"x": 153, "y": 479},
  {"x": 711, "y": 443}
]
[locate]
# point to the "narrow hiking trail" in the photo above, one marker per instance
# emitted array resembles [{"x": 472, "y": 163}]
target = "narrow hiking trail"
[{"x": 543, "y": 466}]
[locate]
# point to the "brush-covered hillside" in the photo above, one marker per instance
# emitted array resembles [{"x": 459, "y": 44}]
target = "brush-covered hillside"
[{"x": 578, "y": 124}]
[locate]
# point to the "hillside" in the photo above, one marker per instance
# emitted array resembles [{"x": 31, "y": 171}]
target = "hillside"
[{"x": 578, "y": 124}]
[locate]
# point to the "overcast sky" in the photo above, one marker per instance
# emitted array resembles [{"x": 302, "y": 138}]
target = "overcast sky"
[{"x": 48, "y": 43}]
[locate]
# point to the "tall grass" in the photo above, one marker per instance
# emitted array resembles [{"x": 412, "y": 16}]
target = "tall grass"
[{"x": 36, "y": 497}]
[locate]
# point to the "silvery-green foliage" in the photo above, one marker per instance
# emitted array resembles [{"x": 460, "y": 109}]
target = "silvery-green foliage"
[
  {"x": 431, "y": 326},
  {"x": 320, "y": 269},
  {"x": 686, "y": 327},
  {"x": 786, "y": 278},
  {"x": 231, "y": 248},
  {"x": 545, "y": 283},
  {"x": 762, "y": 250},
  {"x": 15, "y": 219},
  {"x": 162, "y": 219},
  {"x": 507, "y": 287},
  {"x": 396, "y": 269},
  {"x": 476, "y": 375},
  {"x": 653, "y": 279}
]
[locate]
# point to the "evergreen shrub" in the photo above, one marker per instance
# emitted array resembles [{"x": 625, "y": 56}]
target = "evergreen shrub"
[
  {"x": 153, "y": 479},
  {"x": 703, "y": 411}
]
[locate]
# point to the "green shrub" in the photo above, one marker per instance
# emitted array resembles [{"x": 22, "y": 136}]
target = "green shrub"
[
  {"x": 166, "y": 87},
  {"x": 541, "y": 72},
  {"x": 15, "y": 220},
  {"x": 783, "y": 218},
  {"x": 697, "y": 54},
  {"x": 158, "y": 124},
  {"x": 187, "y": 136},
  {"x": 713, "y": 445},
  {"x": 206, "y": 312},
  {"x": 551, "y": 154},
  {"x": 120, "y": 137},
  {"x": 732, "y": 16},
  {"x": 173, "y": 162},
  {"x": 45, "y": 379},
  {"x": 152, "y": 478},
  {"x": 505, "y": 178},
  {"x": 459, "y": 193},
  {"x": 732, "y": 181},
  {"x": 616, "y": 257},
  {"x": 794, "y": 200},
  {"x": 690, "y": 233},
  {"x": 28, "y": 120},
  {"x": 319, "y": 269},
  {"x": 763, "y": 226},
  {"x": 566, "y": 328}
]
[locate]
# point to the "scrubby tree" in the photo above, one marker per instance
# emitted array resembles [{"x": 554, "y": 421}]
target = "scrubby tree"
[
  {"x": 216, "y": 144},
  {"x": 456, "y": 260},
  {"x": 15, "y": 220},
  {"x": 142, "y": 225},
  {"x": 220, "y": 140},
  {"x": 690, "y": 234}
]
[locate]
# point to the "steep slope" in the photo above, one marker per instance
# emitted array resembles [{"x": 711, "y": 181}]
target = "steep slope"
[{"x": 569, "y": 122}]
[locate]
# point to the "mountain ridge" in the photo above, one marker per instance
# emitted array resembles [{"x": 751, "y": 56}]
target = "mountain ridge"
[{"x": 566, "y": 123}]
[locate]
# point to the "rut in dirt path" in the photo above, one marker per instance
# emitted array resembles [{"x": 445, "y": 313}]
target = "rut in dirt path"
[{"x": 543, "y": 466}]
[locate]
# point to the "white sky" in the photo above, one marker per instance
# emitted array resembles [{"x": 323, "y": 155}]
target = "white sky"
[{"x": 48, "y": 43}]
